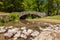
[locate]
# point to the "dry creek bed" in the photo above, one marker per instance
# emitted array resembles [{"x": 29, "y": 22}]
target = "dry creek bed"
[{"x": 44, "y": 31}]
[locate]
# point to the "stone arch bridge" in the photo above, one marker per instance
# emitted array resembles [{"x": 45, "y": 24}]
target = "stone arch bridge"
[{"x": 35, "y": 13}]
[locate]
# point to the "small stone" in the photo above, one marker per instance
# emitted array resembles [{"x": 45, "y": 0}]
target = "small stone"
[
  {"x": 23, "y": 28},
  {"x": 23, "y": 36},
  {"x": 10, "y": 27},
  {"x": 9, "y": 35},
  {"x": 29, "y": 31},
  {"x": 35, "y": 33},
  {"x": 18, "y": 34},
  {"x": 24, "y": 32},
  {"x": 2, "y": 30}
]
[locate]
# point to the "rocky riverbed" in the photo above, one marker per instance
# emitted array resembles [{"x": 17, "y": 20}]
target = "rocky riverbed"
[
  {"x": 15, "y": 33},
  {"x": 44, "y": 31}
]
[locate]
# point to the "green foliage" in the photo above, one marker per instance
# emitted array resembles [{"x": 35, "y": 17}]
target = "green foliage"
[
  {"x": 5, "y": 20},
  {"x": 48, "y": 6},
  {"x": 29, "y": 5},
  {"x": 0, "y": 22},
  {"x": 31, "y": 16},
  {"x": 10, "y": 6},
  {"x": 14, "y": 17}
]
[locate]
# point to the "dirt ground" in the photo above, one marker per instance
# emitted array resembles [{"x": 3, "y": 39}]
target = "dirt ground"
[
  {"x": 45, "y": 21},
  {"x": 3, "y": 38}
]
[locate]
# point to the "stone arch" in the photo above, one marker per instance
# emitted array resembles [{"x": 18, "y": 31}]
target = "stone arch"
[
  {"x": 25, "y": 16},
  {"x": 31, "y": 12}
]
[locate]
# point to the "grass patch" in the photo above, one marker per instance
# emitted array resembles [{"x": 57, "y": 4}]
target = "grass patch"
[
  {"x": 57, "y": 17},
  {"x": 49, "y": 19}
]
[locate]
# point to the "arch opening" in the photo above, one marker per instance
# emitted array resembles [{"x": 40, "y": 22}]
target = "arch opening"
[{"x": 29, "y": 16}]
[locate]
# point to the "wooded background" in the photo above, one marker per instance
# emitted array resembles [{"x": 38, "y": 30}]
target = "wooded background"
[{"x": 51, "y": 7}]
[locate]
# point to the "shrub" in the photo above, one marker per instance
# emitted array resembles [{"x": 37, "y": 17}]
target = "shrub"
[
  {"x": 5, "y": 20},
  {"x": 31, "y": 16},
  {"x": 14, "y": 17},
  {"x": 0, "y": 22}
]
